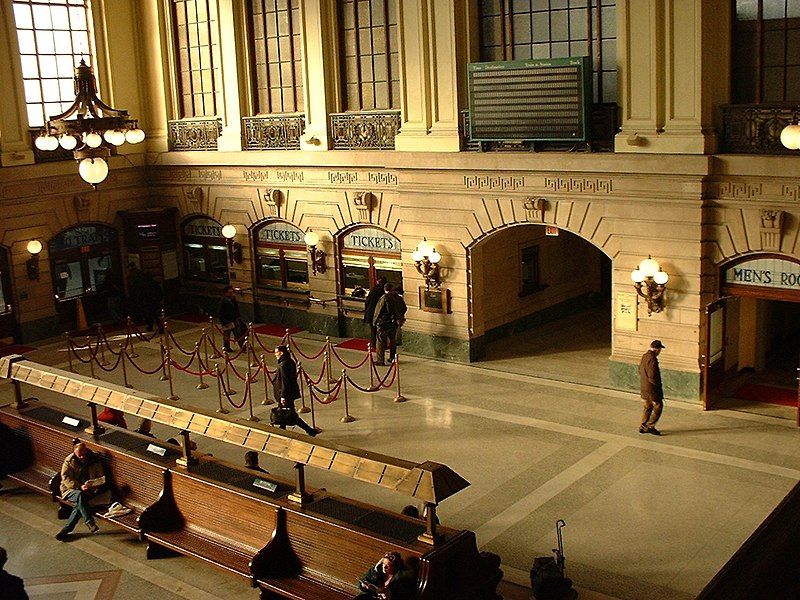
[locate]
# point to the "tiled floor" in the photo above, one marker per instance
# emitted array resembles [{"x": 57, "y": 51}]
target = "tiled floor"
[{"x": 646, "y": 517}]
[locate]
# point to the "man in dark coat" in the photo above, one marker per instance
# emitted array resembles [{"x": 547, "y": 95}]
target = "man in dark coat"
[
  {"x": 369, "y": 307},
  {"x": 230, "y": 319},
  {"x": 651, "y": 389},
  {"x": 11, "y": 586},
  {"x": 150, "y": 296},
  {"x": 286, "y": 392},
  {"x": 390, "y": 314}
]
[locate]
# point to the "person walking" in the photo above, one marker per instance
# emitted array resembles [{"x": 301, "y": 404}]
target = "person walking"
[
  {"x": 82, "y": 477},
  {"x": 651, "y": 389},
  {"x": 369, "y": 308},
  {"x": 230, "y": 319},
  {"x": 286, "y": 392},
  {"x": 150, "y": 297},
  {"x": 390, "y": 313}
]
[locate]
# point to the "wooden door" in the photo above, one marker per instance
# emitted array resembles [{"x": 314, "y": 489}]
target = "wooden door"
[{"x": 713, "y": 359}]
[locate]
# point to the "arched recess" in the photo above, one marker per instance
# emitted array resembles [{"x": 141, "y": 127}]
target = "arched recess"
[
  {"x": 205, "y": 255},
  {"x": 8, "y": 305},
  {"x": 85, "y": 264},
  {"x": 752, "y": 330},
  {"x": 365, "y": 253},
  {"x": 280, "y": 255},
  {"x": 524, "y": 277}
]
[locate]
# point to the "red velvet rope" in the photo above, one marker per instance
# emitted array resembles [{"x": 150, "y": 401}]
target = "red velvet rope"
[
  {"x": 344, "y": 364},
  {"x": 300, "y": 352},
  {"x": 177, "y": 345},
  {"x": 331, "y": 394},
  {"x": 228, "y": 396},
  {"x": 145, "y": 371},
  {"x": 381, "y": 382}
]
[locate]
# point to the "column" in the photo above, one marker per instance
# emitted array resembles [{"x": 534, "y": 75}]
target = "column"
[
  {"x": 448, "y": 66},
  {"x": 321, "y": 70},
  {"x": 154, "y": 40},
  {"x": 231, "y": 55},
  {"x": 14, "y": 137},
  {"x": 415, "y": 89}
]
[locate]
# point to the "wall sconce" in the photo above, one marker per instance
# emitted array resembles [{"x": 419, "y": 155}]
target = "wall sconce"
[
  {"x": 650, "y": 282},
  {"x": 790, "y": 136},
  {"x": 234, "y": 248},
  {"x": 427, "y": 260},
  {"x": 317, "y": 256},
  {"x": 34, "y": 247}
]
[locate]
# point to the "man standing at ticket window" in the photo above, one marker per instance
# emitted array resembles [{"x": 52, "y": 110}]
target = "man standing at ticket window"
[{"x": 390, "y": 314}]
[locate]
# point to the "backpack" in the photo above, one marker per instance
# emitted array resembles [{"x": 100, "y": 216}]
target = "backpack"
[{"x": 548, "y": 581}]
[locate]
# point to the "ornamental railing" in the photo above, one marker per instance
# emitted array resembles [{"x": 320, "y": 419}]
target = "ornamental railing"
[
  {"x": 273, "y": 132},
  {"x": 373, "y": 130},
  {"x": 756, "y": 128},
  {"x": 194, "y": 134}
]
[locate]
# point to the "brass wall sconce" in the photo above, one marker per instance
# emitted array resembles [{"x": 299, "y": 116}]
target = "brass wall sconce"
[
  {"x": 426, "y": 259},
  {"x": 650, "y": 283},
  {"x": 34, "y": 247},
  {"x": 234, "y": 248},
  {"x": 317, "y": 256}
]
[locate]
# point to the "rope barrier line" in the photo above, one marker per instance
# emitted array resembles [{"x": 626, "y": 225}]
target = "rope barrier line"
[
  {"x": 293, "y": 344},
  {"x": 347, "y": 366}
]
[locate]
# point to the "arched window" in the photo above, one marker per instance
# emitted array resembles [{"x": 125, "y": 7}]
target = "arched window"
[
  {"x": 205, "y": 256},
  {"x": 83, "y": 258},
  {"x": 365, "y": 254},
  {"x": 280, "y": 254}
]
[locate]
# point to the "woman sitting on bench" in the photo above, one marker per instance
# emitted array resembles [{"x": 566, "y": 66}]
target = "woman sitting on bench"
[{"x": 389, "y": 579}]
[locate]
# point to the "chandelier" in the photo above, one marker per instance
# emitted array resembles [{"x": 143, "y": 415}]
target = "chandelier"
[{"x": 89, "y": 128}]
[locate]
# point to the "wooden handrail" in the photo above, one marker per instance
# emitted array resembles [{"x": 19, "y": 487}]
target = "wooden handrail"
[{"x": 429, "y": 482}]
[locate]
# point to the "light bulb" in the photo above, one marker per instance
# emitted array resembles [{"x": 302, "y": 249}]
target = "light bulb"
[
  {"x": 425, "y": 247},
  {"x": 435, "y": 257},
  {"x": 67, "y": 142},
  {"x": 311, "y": 238},
  {"x": 649, "y": 267},
  {"x": 41, "y": 142},
  {"x": 134, "y": 136},
  {"x": 417, "y": 256},
  {"x": 93, "y": 170},
  {"x": 114, "y": 136},
  {"x": 229, "y": 231},
  {"x": 637, "y": 276},
  {"x": 93, "y": 140},
  {"x": 34, "y": 246},
  {"x": 46, "y": 142},
  {"x": 661, "y": 278},
  {"x": 790, "y": 137}
]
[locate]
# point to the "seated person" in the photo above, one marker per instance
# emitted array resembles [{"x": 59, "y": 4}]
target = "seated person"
[
  {"x": 11, "y": 586},
  {"x": 112, "y": 416},
  {"x": 82, "y": 477},
  {"x": 389, "y": 579},
  {"x": 251, "y": 461},
  {"x": 144, "y": 428}
]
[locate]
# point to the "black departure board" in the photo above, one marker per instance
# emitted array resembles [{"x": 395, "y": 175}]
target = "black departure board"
[{"x": 530, "y": 100}]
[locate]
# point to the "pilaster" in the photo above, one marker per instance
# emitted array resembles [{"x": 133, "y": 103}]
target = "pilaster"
[
  {"x": 321, "y": 70},
  {"x": 231, "y": 138},
  {"x": 154, "y": 38},
  {"x": 15, "y": 145}
]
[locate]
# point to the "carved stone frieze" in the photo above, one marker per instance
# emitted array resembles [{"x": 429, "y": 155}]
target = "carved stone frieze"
[
  {"x": 289, "y": 176},
  {"x": 579, "y": 184},
  {"x": 493, "y": 182},
  {"x": 255, "y": 175},
  {"x": 791, "y": 192},
  {"x": 382, "y": 177},
  {"x": 737, "y": 189},
  {"x": 342, "y": 176},
  {"x": 535, "y": 209},
  {"x": 771, "y": 229},
  {"x": 272, "y": 198}
]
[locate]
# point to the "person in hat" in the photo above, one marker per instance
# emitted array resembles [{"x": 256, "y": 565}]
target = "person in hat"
[{"x": 651, "y": 389}]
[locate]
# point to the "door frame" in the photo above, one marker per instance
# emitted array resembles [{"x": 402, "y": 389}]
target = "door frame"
[{"x": 713, "y": 367}]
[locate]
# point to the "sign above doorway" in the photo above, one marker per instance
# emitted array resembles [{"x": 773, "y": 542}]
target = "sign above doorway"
[{"x": 767, "y": 272}]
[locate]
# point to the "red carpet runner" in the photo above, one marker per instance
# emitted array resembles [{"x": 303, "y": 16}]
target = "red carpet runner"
[
  {"x": 276, "y": 330},
  {"x": 354, "y": 344},
  {"x": 15, "y": 349},
  {"x": 765, "y": 393}
]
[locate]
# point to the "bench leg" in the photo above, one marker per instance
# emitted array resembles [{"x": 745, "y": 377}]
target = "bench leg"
[{"x": 158, "y": 551}]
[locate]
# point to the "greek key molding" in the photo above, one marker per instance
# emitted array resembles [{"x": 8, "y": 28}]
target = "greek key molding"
[
  {"x": 382, "y": 177},
  {"x": 291, "y": 176},
  {"x": 342, "y": 176},
  {"x": 733, "y": 189},
  {"x": 255, "y": 175},
  {"x": 791, "y": 192},
  {"x": 210, "y": 174},
  {"x": 493, "y": 182},
  {"x": 578, "y": 184}
]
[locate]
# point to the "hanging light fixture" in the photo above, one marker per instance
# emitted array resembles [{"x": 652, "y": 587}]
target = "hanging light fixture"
[{"x": 89, "y": 128}]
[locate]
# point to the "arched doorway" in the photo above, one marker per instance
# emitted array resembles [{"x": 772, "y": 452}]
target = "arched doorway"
[
  {"x": 8, "y": 320},
  {"x": 84, "y": 260},
  {"x": 752, "y": 346},
  {"x": 540, "y": 303}
]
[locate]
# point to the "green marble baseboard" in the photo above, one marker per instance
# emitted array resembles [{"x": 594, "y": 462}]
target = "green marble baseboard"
[
  {"x": 677, "y": 384},
  {"x": 40, "y": 329}
]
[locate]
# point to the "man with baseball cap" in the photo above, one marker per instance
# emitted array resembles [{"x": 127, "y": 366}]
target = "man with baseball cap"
[{"x": 651, "y": 389}]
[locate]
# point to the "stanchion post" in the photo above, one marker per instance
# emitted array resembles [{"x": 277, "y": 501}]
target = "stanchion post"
[
  {"x": 230, "y": 392},
  {"x": 92, "y": 356},
  {"x": 371, "y": 362},
  {"x": 249, "y": 392},
  {"x": 214, "y": 356},
  {"x": 218, "y": 375},
  {"x": 266, "y": 399},
  {"x": 251, "y": 347},
  {"x": 303, "y": 408},
  {"x": 130, "y": 337},
  {"x": 202, "y": 385},
  {"x": 172, "y": 395},
  {"x": 399, "y": 397},
  {"x": 122, "y": 356},
  {"x": 347, "y": 418},
  {"x": 328, "y": 353},
  {"x": 204, "y": 339},
  {"x": 103, "y": 361},
  {"x": 69, "y": 352},
  {"x": 313, "y": 414},
  {"x": 164, "y": 375}
]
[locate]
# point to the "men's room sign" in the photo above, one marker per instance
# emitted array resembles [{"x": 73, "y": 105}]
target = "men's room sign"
[{"x": 765, "y": 273}]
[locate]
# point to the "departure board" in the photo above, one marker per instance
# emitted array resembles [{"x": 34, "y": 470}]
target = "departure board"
[{"x": 530, "y": 100}]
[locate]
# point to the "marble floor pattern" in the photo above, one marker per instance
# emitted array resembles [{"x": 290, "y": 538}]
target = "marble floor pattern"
[{"x": 646, "y": 517}]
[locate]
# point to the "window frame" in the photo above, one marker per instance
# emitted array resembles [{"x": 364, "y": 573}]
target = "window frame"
[
  {"x": 282, "y": 248},
  {"x": 207, "y": 243},
  {"x": 373, "y": 259}
]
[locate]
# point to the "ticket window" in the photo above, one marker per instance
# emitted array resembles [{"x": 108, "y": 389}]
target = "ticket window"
[
  {"x": 367, "y": 254},
  {"x": 281, "y": 256},
  {"x": 205, "y": 255}
]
